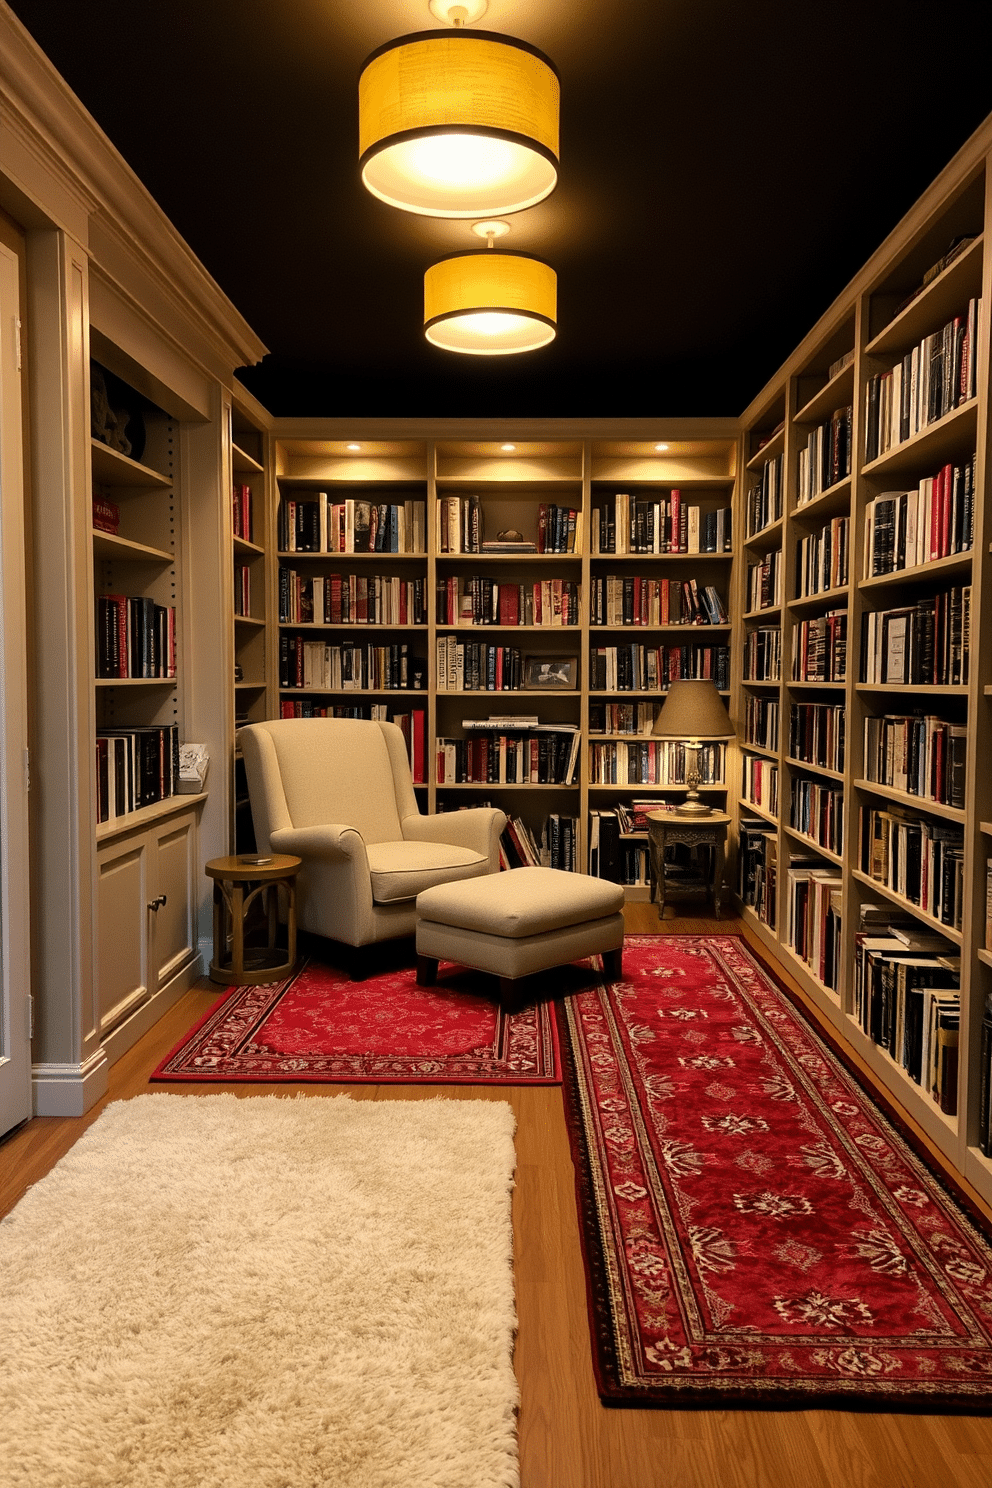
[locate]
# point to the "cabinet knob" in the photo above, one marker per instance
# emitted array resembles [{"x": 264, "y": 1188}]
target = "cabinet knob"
[{"x": 157, "y": 904}]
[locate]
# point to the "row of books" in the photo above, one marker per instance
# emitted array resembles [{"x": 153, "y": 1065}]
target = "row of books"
[
  {"x": 629, "y": 599},
  {"x": 907, "y": 1000},
  {"x": 480, "y": 600},
  {"x": 813, "y": 899},
  {"x": 610, "y": 855},
  {"x": 243, "y": 524},
  {"x": 934, "y": 377},
  {"x": 477, "y": 666},
  {"x": 763, "y": 654},
  {"x": 763, "y": 582},
  {"x": 662, "y": 523},
  {"x": 355, "y": 665},
  {"x": 759, "y": 782},
  {"x": 905, "y": 529},
  {"x": 653, "y": 762},
  {"x": 924, "y": 756},
  {"x": 822, "y": 559},
  {"x": 757, "y": 868},
  {"x": 134, "y": 768},
  {"x": 316, "y": 524},
  {"x": 135, "y": 637},
  {"x": 622, "y": 718},
  {"x": 760, "y": 721},
  {"x": 825, "y": 458},
  {"x": 351, "y": 599},
  {"x": 461, "y": 528},
  {"x": 819, "y": 648},
  {"x": 637, "y": 668},
  {"x": 817, "y": 734},
  {"x": 764, "y": 499},
  {"x": 925, "y": 644},
  {"x": 921, "y": 860},
  {"x": 557, "y": 847},
  {"x": 509, "y": 758},
  {"x": 242, "y": 589},
  {"x": 818, "y": 813},
  {"x": 985, "y": 1080}
]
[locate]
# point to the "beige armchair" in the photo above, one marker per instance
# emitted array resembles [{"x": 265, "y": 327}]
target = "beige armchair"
[{"x": 337, "y": 792}]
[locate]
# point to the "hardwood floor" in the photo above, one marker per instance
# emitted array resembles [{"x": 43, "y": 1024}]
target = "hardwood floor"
[{"x": 567, "y": 1438}]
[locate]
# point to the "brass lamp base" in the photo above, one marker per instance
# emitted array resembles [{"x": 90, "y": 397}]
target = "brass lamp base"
[{"x": 693, "y": 806}]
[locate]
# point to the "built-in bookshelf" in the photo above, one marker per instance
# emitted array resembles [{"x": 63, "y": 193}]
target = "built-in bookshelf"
[
  {"x": 251, "y": 538},
  {"x": 526, "y": 605},
  {"x": 862, "y": 694}
]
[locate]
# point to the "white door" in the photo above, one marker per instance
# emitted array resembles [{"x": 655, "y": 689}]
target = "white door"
[{"x": 15, "y": 985}]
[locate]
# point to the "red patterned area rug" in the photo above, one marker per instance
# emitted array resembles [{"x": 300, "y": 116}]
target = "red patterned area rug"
[
  {"x": 320, "y": 1025},
  {"x": 756, "y": 1231}
]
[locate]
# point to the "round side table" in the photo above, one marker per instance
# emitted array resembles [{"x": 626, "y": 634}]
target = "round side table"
[{"x": 238, "y": 882}]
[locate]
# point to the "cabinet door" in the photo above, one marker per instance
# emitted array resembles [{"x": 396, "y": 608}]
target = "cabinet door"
[
  {"x": 123, "y": 916},
  {"x": 173, "y": 927}
]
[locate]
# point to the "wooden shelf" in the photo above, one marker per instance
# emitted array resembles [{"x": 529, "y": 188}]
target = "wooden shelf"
[
  {"x": 137, "y": 820},
  {"x": 951, "y": 435},
  {"x": 945, "y": 568},
  {"x": 945, "y": 297},
  {"x": 837, "y": 393},
  {"x": 109, "y": 545},
  {"x": 111, "y": 468},
  {"x": 919, "y": 804}
]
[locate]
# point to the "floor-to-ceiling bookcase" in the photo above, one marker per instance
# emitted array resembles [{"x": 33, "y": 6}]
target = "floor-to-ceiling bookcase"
[
  {"x": 510, "y": 596},
  {"x": 863, "y": 687}
]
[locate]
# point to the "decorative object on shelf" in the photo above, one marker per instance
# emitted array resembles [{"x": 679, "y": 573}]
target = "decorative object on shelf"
[
  {"x": 490, "y": 302},
  {"x": 115, "y": 419},
  {"x": 695, "y": 712},
  {"x": 550, "y": 673},
  {"x": 194, "y": 761},
  {"x": 455, "y": 123}
]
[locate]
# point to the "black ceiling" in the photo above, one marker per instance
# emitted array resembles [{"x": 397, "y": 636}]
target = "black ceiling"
[{"x": 725, "y": 169}]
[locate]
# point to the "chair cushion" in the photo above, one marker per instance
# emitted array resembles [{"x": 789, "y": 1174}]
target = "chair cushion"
[
  {"x": 524, "y": 901},
  {"x": 399, "y": 870}
]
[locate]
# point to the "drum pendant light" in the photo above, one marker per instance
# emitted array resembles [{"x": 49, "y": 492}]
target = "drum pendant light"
[
  {"x": 458, "y": 123},
  {"x": 490, "y": 302}
]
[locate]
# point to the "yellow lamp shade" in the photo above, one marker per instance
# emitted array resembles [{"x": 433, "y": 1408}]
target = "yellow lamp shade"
[
  {"x": 458, "y": 124},
  {"x": 490, "y": 303}
]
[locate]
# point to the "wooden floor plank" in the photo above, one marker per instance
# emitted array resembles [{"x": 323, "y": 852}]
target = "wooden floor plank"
[{"x": 568, "y": 1439}]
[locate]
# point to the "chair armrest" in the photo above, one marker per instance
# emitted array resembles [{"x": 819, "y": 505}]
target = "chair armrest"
[
  {"x": 475, "y": 829},
  {"x": 332, "y": 842}
]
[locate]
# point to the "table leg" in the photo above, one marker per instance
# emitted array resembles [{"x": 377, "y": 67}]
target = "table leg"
[{"x": 237, "y": 927}]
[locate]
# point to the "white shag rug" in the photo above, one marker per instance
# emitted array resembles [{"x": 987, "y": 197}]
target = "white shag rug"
[{"x": 264, "y": 1292}]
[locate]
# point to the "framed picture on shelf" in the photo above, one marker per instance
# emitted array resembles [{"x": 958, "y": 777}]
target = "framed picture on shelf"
[{"x": 550, "y": 673}]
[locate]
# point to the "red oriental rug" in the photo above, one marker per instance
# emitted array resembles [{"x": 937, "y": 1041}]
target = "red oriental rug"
[
  {"x": 756, "y": 1231},
  {"x": 320, "y": 1025}
]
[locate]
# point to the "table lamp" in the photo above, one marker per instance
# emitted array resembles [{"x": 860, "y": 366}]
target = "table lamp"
[{"x": 695, "y": 713}]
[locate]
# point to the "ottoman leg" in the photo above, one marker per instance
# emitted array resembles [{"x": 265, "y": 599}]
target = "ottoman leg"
[
  {"x": 426, "y": 971},
  {"x": 613, "y": 965}
]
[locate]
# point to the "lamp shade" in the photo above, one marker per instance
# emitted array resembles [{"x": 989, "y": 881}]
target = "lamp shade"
[
  {"x": 458, "y": 124},
  {"x": 490, "y": 303},
  {"x": 693, "y": 710}
]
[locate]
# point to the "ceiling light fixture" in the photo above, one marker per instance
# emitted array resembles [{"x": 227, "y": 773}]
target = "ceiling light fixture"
[
  {"x": 490, "y": 302},
  {"x": 458, "y": 123}
]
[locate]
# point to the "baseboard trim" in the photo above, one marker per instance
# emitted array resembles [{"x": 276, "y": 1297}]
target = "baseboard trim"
[{"x": 69, "y": 1089}]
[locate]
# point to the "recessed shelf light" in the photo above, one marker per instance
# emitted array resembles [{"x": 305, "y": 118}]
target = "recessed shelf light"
[
  {"x": 661, "y": 448},
  {"x": 354, "y": 448},
  {"x": 508, "y": 448}
]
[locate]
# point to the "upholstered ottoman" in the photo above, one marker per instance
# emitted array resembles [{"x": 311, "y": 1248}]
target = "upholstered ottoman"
[{"x": 513, "y": 924}]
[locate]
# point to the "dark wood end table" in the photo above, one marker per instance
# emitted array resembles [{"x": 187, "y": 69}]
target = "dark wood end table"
[{"x": 667, "y": 828}]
